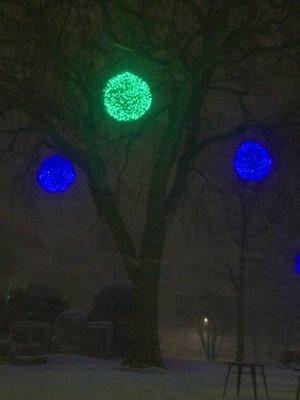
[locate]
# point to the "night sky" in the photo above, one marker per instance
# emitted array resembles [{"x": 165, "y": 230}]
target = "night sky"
[{"x": 59, "y": 238}]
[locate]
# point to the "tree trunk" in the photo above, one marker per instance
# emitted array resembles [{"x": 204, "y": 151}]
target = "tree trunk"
[
  {"x": 144, "y": 348},
  {"x": 241, "y": 290},
  {"x": 241, "y": 326}
]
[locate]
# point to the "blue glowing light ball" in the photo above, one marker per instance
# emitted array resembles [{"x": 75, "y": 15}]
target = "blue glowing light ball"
[
  {"x": 297, "y": 263},
  {"x": 56, "y": 174},
  {"x": 252, "y": 161}
]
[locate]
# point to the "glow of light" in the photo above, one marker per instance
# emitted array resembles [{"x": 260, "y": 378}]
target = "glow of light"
[
  {"x": 127, "y": 97},
  {"x": 56, "y": 174},
  {"x": 297, "y": 263},
  {"x": 252, "y": 161}
]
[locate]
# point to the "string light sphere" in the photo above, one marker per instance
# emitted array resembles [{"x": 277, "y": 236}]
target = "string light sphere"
[
  {"x": 56, "y": 174},
  {"x": 297, "y": 263},
  {"x": 127, "y": 97},
  {"x": 252, "y": 161}
]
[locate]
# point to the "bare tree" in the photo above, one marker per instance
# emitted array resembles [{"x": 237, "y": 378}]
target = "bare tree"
[
  {"x": 250, "y": 216},
  {"x": 215, "y": 319},
  {"x": 56, "y": 56}
]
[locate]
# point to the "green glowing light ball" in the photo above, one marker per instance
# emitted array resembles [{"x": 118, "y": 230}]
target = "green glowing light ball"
[{"x": 127, "y": 97}]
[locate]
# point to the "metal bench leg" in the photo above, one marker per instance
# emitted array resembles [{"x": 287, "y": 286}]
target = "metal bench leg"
[
  {"x": 239, "y": 377},
  {"x": 265, "y": 381},
  {"x": 226, "y": 382},
  {"x": 253, "y": 374}
]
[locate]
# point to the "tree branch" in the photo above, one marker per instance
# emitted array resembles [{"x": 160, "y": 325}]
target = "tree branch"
[{"x": 187, "y": 160}]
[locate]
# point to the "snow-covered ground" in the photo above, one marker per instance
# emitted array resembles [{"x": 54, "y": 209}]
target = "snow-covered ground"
[{"x": 81, "y": 378}]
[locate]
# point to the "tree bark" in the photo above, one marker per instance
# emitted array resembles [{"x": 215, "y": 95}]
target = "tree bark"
[
  {"x": 241, "y": 317},
  {"x": 241, "y": 289},
  {"x": 144, "y": 349}
]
